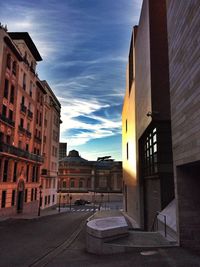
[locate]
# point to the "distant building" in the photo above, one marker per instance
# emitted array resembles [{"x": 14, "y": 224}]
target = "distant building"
[
  {"x": 78, "y": 175},
  {"x": 62, "y": 150}
]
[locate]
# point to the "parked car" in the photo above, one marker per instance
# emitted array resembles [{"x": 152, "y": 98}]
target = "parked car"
[{"x": 81, "y": 202}]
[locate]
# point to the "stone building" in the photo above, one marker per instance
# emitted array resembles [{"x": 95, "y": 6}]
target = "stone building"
[
  {"x": 78, "y": 175},
  {"x": 62, "y": 150},
  {"x": 50, "y": 150},
  {"x": 184, "y": 71},
  {"x": 146, "y": 127},
  {"x": 21, "y": 123},
  {"x": 20, "y": 153}
]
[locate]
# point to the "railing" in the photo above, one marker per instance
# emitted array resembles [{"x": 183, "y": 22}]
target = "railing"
[
  {"x": 20, "y": 152},
  {"x": 7, "y": 120},
  {"x": 23, "y": 108},
  {"x": 30, "y": 114},
  {"x": 155, "y": 223}
]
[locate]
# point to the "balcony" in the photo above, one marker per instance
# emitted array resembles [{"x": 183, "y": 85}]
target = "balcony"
[
  {"x": 21, "y": 129},
  {"x": 28, "y": 133},
  {"x": 7, "y": 120},
  {"x": 38, "y": 139},
  {"x": 20, "y": 152},
  {"x": 30, "y": 114},
  {"x": 23, "y": 108}
]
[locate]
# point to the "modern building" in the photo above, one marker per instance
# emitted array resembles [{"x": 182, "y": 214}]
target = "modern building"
[
  {"x": 20, "y": 153},
  {"x": 146, "y": 127},
  {"x": 62, "y": 150},
  {"x": 78, "y": 175},
  {"x": 50, "y": 135},
  {"x": 184, "y": 71}
]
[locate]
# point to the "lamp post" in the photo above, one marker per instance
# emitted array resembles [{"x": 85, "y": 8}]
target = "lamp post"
[
  {"x": 59, "y": 200},
  {"x": 40, "y": 199}
]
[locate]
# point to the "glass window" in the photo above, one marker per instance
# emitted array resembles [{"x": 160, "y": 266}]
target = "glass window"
[{"x": 6, "y": 88}]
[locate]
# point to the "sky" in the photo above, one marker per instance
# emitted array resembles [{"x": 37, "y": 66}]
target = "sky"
[{"x": 84, "y": 45}]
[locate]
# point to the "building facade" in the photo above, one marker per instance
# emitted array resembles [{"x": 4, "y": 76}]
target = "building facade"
[
  {"x": 184, "y": 69},
  {"x": 22, "y": 113},
  {"x": 20, "y": 154},
  {"x": 146, "y": 126},
  {"x": 78, "y": 175},
  {"x": 50, "y": 149}
]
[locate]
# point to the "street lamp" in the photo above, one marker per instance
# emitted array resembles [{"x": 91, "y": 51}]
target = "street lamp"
[
  {"x": 59, "y": 199},
  {"x": 40, "y": 199}
]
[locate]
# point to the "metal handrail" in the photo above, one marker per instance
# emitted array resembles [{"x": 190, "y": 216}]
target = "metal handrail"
[{"x": 155, "y": 222}]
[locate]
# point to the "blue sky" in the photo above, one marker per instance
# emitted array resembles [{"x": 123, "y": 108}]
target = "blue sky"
[{"x": 84, "y": 45}]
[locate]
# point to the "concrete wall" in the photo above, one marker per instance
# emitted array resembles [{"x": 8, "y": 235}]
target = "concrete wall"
[{"x": 184, "y": 66}]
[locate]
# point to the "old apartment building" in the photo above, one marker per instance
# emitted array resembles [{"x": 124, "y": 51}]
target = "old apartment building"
[{"x": 21, "y": 123}]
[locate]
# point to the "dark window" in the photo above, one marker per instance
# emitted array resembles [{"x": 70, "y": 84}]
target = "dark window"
[
  {"x": 32, "y": 194},
  {"x": 64, "y": 184},
  {"x": 13, "y": 198},
  {"x": 22, "y": 123},
  {"x": 27, "y": 147},
  {"x": 4, "y": 111},
  {"x": 72, "y": 184},
  {"x": 27, "y": 173},
  {"x": 33, "y": 174},
  {"x": 15, "y": 172},
  {"x": 127, "y": 151},
  {"x": 10, "y": 116},
  {"x": 24, "y": 81},
  {"x": 3, "y": 199},
  {"x": 14, "y": 68},
  {"x": 8, "y": 63},
  {"x": 80, "y": 184},
  {"x": 23, "y": 100},
  {"x": 8, "y": 139},
  {"x": 49, "y": 199},
  {"x": 6, "y": 88},
  {"x": 35, "y": 193},
  {"x": 26, "y": 195},
  {"x": 12, "y": 94},
  {"x": 5, "y": 171}
]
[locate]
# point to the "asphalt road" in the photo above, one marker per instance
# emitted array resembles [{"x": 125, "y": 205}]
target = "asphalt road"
[
  {"x": 23, "y": 242},
  {"x": 59, "y": 241}
]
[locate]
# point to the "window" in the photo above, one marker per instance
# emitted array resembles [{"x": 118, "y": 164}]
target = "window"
[
  {"x": 22, "y": 123},
  {"x": 24, "y": 81},
  {"x": 35, "y": 193},
  {"x": 33, "y": 174},
  {"x": 23, "y": 100},
  {"x": 72, "y": 184},
  {"x": 27, "y": 147},
  {"x": 127, "y": 151},
  {"x": 80, "y": 183},
  {"x": 53, "y": 200},
  {"x": 4, "y": 111},
  {"x": 26, "y": 195},
  {"x": 12, "y": 94},
  {"x": 31, "y": 89},
  {"x": 64, "y": 184},
  {"x": 13, "y": 198},
  {"x": 8, "y": 62},
  {"x": 15, "y": 172},
  {"x": 14, "y": 68},
  {"x": 8, "y": 139},
  {"x": 10, "y": 116},
  {"x": 49, "y": 199},
  {"x": 27, "y": 173},
  {"x": 5, "y": 171},
  {"x": 32, "y": 194},
  {"x": 3, "y": 199},
  {"x": 6, "y": 88}
]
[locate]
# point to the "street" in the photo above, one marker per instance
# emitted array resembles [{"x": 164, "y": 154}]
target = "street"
[{"x": 59, "y": 241}]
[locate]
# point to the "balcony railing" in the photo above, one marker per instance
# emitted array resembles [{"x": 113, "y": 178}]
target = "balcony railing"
[
  {"x": 23, "y": 108},
  {"x": 28, "y": 133},
  {"x": 20, "y": 152},
  {"x": 30, "y": 114},
  {"x": 7, "y": 120},
  {"x": 38, "y": 139},
  {"x": 21, "y": 129}
]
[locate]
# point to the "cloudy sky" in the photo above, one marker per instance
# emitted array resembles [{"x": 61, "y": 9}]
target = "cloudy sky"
[{"x": 84, "y": 45}]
